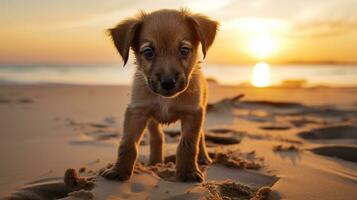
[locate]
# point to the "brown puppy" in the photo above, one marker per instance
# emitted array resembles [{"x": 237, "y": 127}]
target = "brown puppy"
[{"x": 168, "y": 86}]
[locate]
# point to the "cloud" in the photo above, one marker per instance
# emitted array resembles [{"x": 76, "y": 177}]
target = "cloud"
[
  {"x": 328, "y": 19},
  {"x": 107, "y": 19},
  {"x": 324, "y": 28}
]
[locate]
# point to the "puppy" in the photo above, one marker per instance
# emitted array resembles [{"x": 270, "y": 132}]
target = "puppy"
[{"x": 168, "y": 86}]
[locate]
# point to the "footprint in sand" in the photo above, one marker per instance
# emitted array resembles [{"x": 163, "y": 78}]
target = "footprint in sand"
[
  {"x": 303, "y": 121},
  {"x": 348, "y": 153},
  {"x": 222, "y": 130},
  {"x": 223, "y": 136},
  {"x": 5, "y": 100},
  {"x": 330, "y": 133},
  {"x": 221, "y": 139},
  {"x": 334, "y": 133},
  {"x": 19, "y": 101},
  {"x": 275, "y": 128},
  {"x": 95, "y": 131}
]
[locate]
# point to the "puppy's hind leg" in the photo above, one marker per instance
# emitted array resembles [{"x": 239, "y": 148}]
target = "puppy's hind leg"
[
  {"x": 203, "y": 157},
  {"x": 134, "y": 125},
  {"x": 156, "y": 142}
]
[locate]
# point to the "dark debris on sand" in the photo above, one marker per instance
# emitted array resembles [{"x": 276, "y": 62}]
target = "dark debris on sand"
[{"x": 280, "y": 147}]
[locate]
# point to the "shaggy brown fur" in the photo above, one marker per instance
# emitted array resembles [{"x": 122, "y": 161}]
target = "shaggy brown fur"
[{"x": 168, "y": 86}]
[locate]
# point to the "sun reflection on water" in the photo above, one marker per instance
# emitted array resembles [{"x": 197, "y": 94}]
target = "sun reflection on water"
[{"x": 261, "y": 75}]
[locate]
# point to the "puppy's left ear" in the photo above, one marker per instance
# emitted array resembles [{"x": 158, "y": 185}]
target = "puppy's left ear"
[{"x": 205, "y": 29}]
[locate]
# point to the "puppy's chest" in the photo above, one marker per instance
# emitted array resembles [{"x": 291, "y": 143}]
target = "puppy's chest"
[{"x": 165, "y": 112}]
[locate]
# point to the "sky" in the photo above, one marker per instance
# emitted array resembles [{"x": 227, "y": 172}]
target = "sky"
[{"x": 275, "y": 31}]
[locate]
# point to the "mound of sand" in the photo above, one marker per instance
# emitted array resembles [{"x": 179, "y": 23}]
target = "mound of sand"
[{"x": 232, "y": 159}]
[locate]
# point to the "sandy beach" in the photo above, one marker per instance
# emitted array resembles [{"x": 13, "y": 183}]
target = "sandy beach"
[{"x": 275, "y": 143}]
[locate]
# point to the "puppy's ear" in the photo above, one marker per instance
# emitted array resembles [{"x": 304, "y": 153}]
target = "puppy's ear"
[
  {"x": 123, "y": 36},
  {"x": 205, "y": 29}
]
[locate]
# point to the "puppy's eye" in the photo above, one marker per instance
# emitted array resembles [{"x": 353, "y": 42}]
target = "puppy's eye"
[
  {"x": 149, "y": 53},
  {"x": 184, "y": 51}
]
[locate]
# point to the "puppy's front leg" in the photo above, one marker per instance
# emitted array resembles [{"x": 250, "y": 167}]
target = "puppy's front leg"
[
  {"x": 134, "y": 125},
  {"x": 187, "y": 151}
]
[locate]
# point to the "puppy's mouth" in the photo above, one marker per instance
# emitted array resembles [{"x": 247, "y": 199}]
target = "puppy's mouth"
[{"x": 168, "y": 93}]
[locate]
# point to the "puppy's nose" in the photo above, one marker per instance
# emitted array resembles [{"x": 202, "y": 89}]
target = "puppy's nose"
[{"x": 167, "y": 83}]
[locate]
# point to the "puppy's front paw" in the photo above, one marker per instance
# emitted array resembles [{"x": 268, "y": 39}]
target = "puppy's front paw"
[
  {"x": 190, "y": 176},
  {"x": 116, "y": 174}
]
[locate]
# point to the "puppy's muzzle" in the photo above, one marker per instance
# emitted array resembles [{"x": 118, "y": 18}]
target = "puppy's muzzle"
[{"x": 167, "y": 85}]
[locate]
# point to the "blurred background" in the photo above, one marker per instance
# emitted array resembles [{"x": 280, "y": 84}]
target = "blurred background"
[{"x": 260, "y": 43}]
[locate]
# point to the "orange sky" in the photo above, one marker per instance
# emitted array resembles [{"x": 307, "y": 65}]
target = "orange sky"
[{"x": 277, "y": 31}]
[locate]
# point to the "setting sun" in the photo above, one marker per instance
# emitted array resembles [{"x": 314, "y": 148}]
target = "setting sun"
[
  {"x": 262, "y": 46},
  {"x": 261, "y": 75}
]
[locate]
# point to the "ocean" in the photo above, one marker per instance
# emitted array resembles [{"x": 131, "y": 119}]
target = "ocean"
[{"x": 295, "y": 75}]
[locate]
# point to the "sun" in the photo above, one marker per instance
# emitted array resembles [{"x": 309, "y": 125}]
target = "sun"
[
  {"x": 262, "y": 46},
  {"x": 261, "y": 75}
]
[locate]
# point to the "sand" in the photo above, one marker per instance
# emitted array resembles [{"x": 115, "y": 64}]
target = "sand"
[{"x": 272, "y": 143}]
